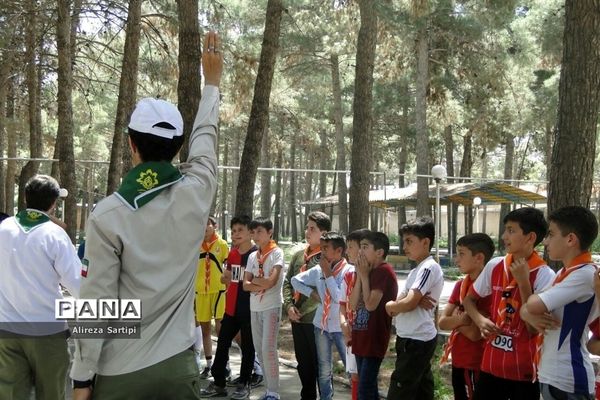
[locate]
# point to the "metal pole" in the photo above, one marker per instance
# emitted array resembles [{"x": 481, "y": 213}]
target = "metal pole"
[{"x": 439, "y": 220}]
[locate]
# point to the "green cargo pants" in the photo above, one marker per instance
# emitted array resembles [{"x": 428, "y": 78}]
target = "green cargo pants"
[
  {"x": 176, "y": 377},
  {"x": 33, "y": 361}
]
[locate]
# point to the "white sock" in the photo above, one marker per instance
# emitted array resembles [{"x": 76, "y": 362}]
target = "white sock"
[
  {"x": 198, "y": 343},
  {"x": 257, "y": 368}
]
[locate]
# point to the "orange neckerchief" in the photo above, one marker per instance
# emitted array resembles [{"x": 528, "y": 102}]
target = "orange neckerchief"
[
  {"x": 207, "y": 246},
  {"x": 261, "y": 256},
  {"x": 307, "y": 257},
  {"x": 465, "y": 285},
  {"x": 327, "y": 303},
  {"x": 350, "y": 279},
  {"x": 508, "y": 307},
  {"x": 581, "y": 260}
]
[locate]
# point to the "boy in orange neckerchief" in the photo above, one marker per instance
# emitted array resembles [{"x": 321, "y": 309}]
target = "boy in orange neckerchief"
[
  {"x": 506, "y": 368},
  {"x": 562, "y": 313}
]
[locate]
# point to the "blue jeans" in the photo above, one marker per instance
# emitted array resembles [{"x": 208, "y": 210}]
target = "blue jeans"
[
  {"x": 325, "y": 342},
  {"x": 368, "y": 371}
]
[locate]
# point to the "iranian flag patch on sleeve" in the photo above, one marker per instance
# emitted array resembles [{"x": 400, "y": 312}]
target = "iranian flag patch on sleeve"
[{"x": 84, "y": 267}]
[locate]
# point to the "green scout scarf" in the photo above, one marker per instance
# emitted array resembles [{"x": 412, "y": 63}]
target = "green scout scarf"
[
  {"x": 144, "y": 182},
  {"x": 30, "y": 219}
]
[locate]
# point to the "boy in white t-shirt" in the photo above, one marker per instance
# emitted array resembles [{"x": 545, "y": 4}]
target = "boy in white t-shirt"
[
  {"x": 264, "y": 279},
  {"x": 415, "y": 326},
  {"x": 562, "y": 313}
]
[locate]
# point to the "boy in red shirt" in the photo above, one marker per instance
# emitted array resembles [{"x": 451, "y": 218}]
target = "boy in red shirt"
[
  {"x": 465, "y": 343},
  {"x": 376, "y": 284},
  {"x": 507, "y": 365}
]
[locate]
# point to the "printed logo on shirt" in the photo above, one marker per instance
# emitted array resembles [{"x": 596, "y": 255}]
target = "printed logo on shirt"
[
  {"x": 33, "y": 215},
  {"x": 503, "y": 342},
  {"x": 85, "y": 263},
  {"x": 361, "y": 321},
  {"x": 237, "y": 273},
  {"x": 148, "y": 179}
]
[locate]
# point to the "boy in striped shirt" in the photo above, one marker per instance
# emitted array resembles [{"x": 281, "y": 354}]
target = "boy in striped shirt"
[
  {"x": 506, "y": 368},
  {"x": 562, "y": 313}
]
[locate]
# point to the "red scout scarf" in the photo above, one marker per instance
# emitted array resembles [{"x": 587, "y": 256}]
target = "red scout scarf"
[
  {"x": 261, "y": 256},
  {"x": 307, "y": 257},
  {"x": 327, "y": 303},
  {"x": 508, "y": 306},
  {"x": 465, "y": 285},
  {"x": 207, "y": 246},
  {"x": 578, "y": 262},
  {"x": 350, "y": 279}
]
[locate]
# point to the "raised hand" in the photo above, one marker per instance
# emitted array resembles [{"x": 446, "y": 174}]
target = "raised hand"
[{"x": 212, "y": 59}]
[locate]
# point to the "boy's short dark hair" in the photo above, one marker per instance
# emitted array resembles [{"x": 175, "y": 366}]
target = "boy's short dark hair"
[
  {"x": 478, "y": 243},
  {"x": 241, "y": 220},
  {"x": 357, "y": 235},
  {"x": 421, "y": 227},
  {"x": 155, "y": 148},
  {"x": 336, "y": 240},
  {"x": 380, "y": 241},
  {"x": 530, "y": 219},
  {"x": 321, "y": 219},
  {"x": 41, "y": 192},
  {"x": 3, "y": 216},
  {"x": 579, "y": 221},
  {"x": 261, "y": 221},
  {"x": 212, "y": 220}
]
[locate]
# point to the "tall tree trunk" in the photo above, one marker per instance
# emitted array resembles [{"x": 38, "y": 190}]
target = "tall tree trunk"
[
  {"x": 190, "y": 52},
  {"x": 127, "y": 96},
  {"x": 4, "y": 82},
  {"x": 508, "y": 174},
  {"x": 224, "y": 190},
  {"x": 549, "y": 138},
  {"x": 465, "y": 171},
  {"x": 277, "y": 215},
  {"x": 65, "y": 116},
  {"x": 403, "y": 157},
  {"x": 340, "y": 146},
  {"x": 292, "y": 192},
  {"x": 85, "y": 206},
  {"x": 310, "y": 154},
  {"x": 452, "y": 209},
  {"x": 422, "y": 56},
  {"x": 484, "y": 168},
  {"x": 265, "y": 177},
  {"x": 361, "y": 162},
  {"x": 574, "y": 150},
  {"x": 237, "y": 144},
  {"x": 11, "y": 149},
  {"x": 259, "y": 114},
  {"x": 324, "y": 155},
  {"x": 35, "y": 140}
]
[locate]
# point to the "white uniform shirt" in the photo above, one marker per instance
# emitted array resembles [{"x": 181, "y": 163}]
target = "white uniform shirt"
[
  {"x": 32, "y": 264},
  {"x": 419, "y": 324},
  {"x": 273, "y": 297},
  {"x": 565, "y": 361}
]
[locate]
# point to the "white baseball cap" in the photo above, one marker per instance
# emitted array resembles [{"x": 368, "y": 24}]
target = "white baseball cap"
[{"x": 150, "y": 112}]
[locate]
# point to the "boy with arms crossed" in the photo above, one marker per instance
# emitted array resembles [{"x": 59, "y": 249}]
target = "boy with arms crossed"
[
  {"x": 562, "y": 313},
  {"x": 506, "y": 367},
  {"x": 465, "y": 343},
  {"x": 323, "y": 282},
  {"x": 376, "y": 284},
  {"x": 264, "y": 279},
  {"x": 415, "y": 326}
]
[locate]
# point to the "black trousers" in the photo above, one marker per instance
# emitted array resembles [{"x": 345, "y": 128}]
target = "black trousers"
[
  {"x": 306, "y": 356},
  {"x": 490, "y": 387},
  {"x": 412, "y": 377},
  {"x": 463, "y": 383},
  {"x": 230, "y": 326}
]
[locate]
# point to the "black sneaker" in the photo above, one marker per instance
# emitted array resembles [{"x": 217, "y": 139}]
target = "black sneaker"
[
  {"x": 213, "y": 390},
  {"x": 234, "y": 382},
  {"x": 256, "y": 380},
  {"x": 241, "y": 392},
  {"x": 205, "y": 373}
]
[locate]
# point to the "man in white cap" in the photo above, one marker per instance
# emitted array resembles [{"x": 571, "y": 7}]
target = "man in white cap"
[
  {"x": 142, "y": 243},
  {"x": 35, "y": 256}
]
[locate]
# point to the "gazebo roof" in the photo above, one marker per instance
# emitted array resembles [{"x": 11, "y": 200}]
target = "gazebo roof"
[{"x": 457, "y": 193}]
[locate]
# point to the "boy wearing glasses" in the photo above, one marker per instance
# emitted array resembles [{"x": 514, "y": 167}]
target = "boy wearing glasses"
[{"x": 507, "y": 365}]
